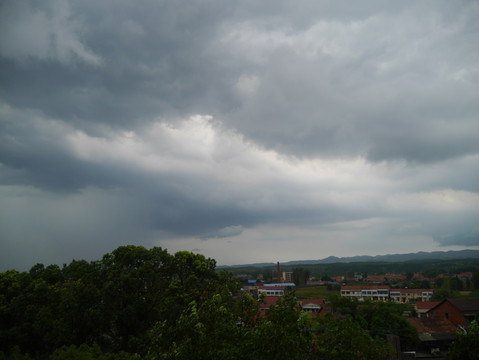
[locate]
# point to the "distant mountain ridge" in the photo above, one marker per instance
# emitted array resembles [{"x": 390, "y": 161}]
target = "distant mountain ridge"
[{"x": 422, "y": 255}]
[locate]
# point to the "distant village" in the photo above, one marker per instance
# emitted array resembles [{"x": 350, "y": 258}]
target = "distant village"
[{"x": 437, "y": 322}]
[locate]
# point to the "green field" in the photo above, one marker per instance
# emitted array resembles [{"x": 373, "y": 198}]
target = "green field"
[{"x": 315, "y": 292}]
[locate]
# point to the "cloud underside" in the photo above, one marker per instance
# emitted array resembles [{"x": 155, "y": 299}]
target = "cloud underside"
[{"x": 222, "y": 126}]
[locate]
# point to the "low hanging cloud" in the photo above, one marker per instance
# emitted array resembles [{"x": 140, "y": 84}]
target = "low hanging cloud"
[
  {"x": 465, "y": 239},
  {"x": 193, "y": 178},
  {"x": 45, "y": 32}
]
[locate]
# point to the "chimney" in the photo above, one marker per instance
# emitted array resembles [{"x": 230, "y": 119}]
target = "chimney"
[{"x": 279, "y": 274}]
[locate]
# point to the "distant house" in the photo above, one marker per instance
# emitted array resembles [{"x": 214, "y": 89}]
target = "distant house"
[
  {"x": 315, "y": 283},
  {"x": 459, "y": 311},
  {"x": 394, "y": 278},
  {"x": 384, "y": 292},
  {"x": 377, "y": 279},
  {"x": 372, "y": 292},
  {"x": 435, "y": 334},
  {"x": 422, "y": 307},
  {"x": 419, "y": 277},
  {"x": 411, "y": 295},
  {"x": 288, "y": 285},
  {"x": 320, "y": 283},
  {"x": 465, "y": 276},
  {"x": 314, "y": 306},
  {"x": 272, "y": 291},
  {"x": 266, "y": 303}
]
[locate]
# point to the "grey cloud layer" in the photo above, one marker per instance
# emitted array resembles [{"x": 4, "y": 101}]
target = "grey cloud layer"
[
  {"x": 321, "y": 114},
  {"x": 382, "y": 84}
]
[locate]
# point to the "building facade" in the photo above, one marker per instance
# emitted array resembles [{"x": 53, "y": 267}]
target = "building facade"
[{"x": 384, "y": 293}]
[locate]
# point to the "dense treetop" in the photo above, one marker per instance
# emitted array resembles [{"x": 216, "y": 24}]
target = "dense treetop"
[{"x": 138, "y": 303}]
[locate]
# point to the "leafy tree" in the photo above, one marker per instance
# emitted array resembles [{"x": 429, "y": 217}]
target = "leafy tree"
[
  {"x": 379, "y": 318},
  {"x": 466, "y": 344},
  {"x": 193, "y": 278},
  {"x": 134, "y": 281},
  {"x": 325, "y": 277},
  {"x": 268, "y": 274},
  {"x": 425, "y": 284},
  {"x": 300, "y": 276},
  {"x": 475, "y": 279},
  {"x": 415, "y": 284},
  {"x": 206, "y": 331},
  {"x": 383, "y": 318},
  {"x": 247, "y": 309},
  {"x": 456, "y": 284},
  {"x": 440, "y": 294},
  {"x": 80, "y": 307},
  {"x": 344, "y": 306},
  {"x": 85, "y": 352},
  {"x": 345, "y": 339},
  {"x": 37, "y": 327},
  {"x": 10, "y": 288},
  {"x": 144, "y": 303},
  {"x": 468, "y": 284},
  {"x": 430, "y": 273},
  {"x": 282, "y": 334}
]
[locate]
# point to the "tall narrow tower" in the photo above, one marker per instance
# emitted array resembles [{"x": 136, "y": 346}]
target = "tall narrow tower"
[{"x": 279, "y": 273}]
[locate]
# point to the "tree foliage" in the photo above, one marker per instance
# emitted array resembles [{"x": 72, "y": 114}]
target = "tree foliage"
[
  {"x": 113, "y": 302},
  {"x": 138, "y": 303},
  {"x": 346, "y": 339},
  {"x": 378, "y": 318},
  {"x": 300, "y": 276},
  {"x": 466, "y": 345}
]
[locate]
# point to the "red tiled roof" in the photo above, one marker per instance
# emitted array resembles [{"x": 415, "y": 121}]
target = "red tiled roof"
[
  {"x": 426, "y": 305},
  {"x": 434, "y": 326},
  {"x": 364, "y": 287},
  {"x": 413, "y": 290},
  {"x": 268, "y": 301},
  {"x": 467, "y": 304},
  {"x": 261, "y": 287},
  {"x": 375, "y": 278},
  {"x": 312, "y": 301},
  {"x": 395, "y": 276}
]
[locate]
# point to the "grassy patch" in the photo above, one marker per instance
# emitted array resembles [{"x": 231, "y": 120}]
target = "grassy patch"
[{"x": 315, "y": 292}]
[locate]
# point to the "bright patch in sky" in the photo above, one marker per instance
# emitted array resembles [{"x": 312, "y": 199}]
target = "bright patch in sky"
[{"x": 250, "y": 132}]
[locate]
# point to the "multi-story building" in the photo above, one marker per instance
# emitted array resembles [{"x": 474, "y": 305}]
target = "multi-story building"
[
  {"x": 410, "y": 295},
  {"x": 372, "y": 292},
  {"x": 287, "y": 276},
  {"x": 384, "y": 292},
  {"x": 272, "y": 291},
  {"x": 313, "y": 306},
  {"x": 275, "y": 289}
]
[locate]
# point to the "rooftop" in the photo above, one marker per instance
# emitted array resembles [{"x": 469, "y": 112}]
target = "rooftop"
[
  {"x": 426, "y": 305},
  {"x": 466, "y": 304},
  {"x": 433, "y": 328},
  {"x": 364, "y": 287}
]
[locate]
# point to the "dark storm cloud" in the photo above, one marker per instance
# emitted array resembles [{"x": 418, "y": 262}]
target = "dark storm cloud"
[
  {"x": 361, "y": 90},
  {"x": 465, "y": 239},
  {"x": 154, "y": 61},
  {"x": 323, "y": 117},
  {"x": 386, "y": 86}
]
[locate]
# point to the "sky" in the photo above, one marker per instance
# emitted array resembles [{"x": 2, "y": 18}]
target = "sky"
[{"x": 248, "y": 131}]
